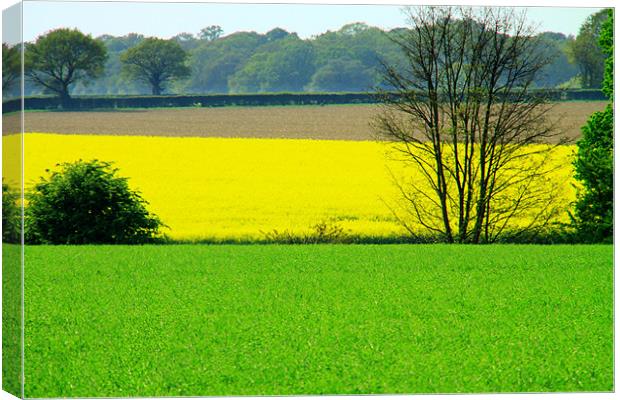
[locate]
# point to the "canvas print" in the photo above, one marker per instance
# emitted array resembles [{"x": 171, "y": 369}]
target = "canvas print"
[{"x": 220, "y": 199}]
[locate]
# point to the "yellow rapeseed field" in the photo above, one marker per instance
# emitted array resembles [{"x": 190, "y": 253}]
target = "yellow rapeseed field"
[{"x": 227, "y": 188}]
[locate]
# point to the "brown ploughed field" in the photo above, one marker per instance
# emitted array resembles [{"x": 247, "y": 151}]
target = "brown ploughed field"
[{"x": 346, "y": 122}]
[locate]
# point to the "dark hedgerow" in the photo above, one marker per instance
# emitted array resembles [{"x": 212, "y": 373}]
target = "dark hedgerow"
[{"x": 85, "y": 202}]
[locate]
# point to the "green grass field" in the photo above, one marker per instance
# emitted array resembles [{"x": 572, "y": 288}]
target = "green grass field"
[{"x": 259, "y": 320}]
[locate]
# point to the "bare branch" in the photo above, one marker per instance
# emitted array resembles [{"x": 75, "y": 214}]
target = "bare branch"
[{"x": 464, "y": 115}]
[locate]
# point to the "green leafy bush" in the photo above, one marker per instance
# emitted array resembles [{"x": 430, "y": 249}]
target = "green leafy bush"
[
  {"x": 11, "y": 214},
  {"x": 86, "y": 202},
  {"x": 594, "y": 167}
]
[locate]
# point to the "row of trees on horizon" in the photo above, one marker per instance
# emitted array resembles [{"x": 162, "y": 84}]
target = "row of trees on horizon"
[{"x": 65, "y": 61}]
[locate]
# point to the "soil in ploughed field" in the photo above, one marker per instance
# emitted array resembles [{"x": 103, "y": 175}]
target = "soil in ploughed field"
[{"x": 345, "y": 122}]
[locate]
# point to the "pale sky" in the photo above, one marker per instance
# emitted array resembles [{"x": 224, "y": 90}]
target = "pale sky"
[
  {"x": 168, "y": 19},
  {"x": 11, "y": 24}
]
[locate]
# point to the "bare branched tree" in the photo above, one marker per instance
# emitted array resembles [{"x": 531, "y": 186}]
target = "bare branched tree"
[{"x": 463, "y": 112}]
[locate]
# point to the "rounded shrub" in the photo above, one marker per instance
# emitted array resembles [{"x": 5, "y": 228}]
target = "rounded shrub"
[{"x": 86, "y": 202}]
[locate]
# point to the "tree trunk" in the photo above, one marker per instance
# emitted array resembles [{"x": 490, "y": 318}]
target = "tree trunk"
[
  {"x": 65, "y": 98},
  {"x": 156, "y": 90}
]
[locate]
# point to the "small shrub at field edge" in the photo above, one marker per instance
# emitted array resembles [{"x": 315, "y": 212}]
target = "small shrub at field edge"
[
  {"x": 86, "y": 202},
  {"x": 323, "y": 232}
]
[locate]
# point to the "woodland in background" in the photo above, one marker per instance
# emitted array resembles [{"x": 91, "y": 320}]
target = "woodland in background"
[{"x": 279, "y": 61}]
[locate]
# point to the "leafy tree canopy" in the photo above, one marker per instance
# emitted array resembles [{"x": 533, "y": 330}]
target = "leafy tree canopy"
[
  {"x": 155, "y": 62},
  {"x": 210, "y": 33},
  {"x": 11, "y": 67},
  {"x": 342, "y": 75},
  {"x": 245, "y": 61},
  {"x": 213, "y": 62},
  {"x": 62, "y": 57},
  {"x": 282, "y": 65},
  {"x": 606, "y": 42},
  {"x": 586, "y": 53}
]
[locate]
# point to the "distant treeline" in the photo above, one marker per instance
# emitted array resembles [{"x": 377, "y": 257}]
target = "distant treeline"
[
  {"x": 347, "y": 60},
  {"x": 265, "y": 99}
]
